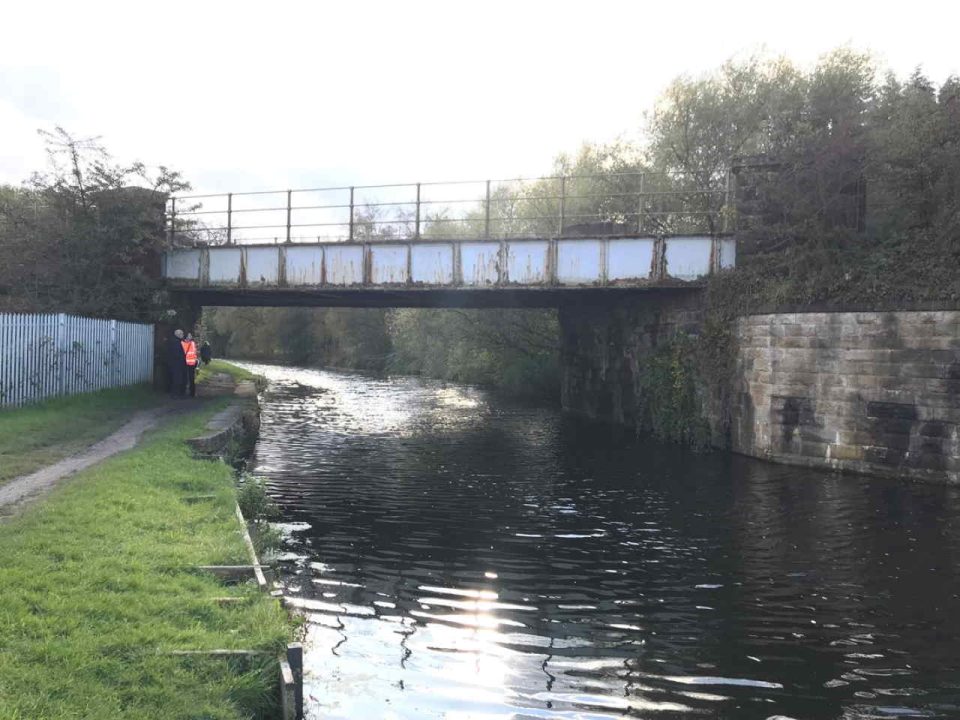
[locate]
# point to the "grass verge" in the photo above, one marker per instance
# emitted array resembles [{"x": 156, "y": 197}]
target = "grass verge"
[
  {"x": 222, "y": 366},
  {"x": 40, "y": 435},
  {"x": 97, "y": 585}
]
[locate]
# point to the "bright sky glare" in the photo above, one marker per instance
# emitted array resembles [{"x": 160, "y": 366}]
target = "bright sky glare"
[{"x": 255, "y": 95}]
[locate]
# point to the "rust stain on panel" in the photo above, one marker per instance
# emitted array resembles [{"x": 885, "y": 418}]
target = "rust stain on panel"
[
  {"x": 432, "y": 264},
  {"x": 480, "y": 263},
  {"x": 344, "y": 265},
  {"x": 527, "y": 262},
  {"x": 304, "y": 265},
  {"x": 388, "y": 264}
]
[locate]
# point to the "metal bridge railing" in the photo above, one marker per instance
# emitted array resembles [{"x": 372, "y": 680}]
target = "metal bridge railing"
[{"x": 557, "y": 206}]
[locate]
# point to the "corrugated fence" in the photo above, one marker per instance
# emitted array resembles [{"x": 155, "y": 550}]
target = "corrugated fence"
[{"x": 43, "y": 356}]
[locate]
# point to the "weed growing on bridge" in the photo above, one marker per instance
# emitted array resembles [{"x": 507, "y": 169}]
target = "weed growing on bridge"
[{"x": 672, "y": 398}]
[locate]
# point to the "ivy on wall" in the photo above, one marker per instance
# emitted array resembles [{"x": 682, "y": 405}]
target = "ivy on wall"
[{"x": 671, "y": 390}]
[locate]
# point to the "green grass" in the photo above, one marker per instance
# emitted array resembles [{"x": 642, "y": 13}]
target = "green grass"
[
  {"x": 222, "y": 366},
  {"x": 40, "y": 435},
  {"x": 97, "y": 582}
]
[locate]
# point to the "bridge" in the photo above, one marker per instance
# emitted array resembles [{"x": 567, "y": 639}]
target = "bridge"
[{"x": 509, "y": 243}]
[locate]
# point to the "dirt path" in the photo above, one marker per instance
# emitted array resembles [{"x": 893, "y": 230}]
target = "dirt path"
[
  {"x": 26, "y": 489},
  {"x": 23, "y": 490}
]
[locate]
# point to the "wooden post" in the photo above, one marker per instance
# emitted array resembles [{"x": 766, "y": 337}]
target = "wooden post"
[
  {"x": 295, "y": 660},
  {"x": 251, "y": 551},
  {"x": 288, "y": 703}
]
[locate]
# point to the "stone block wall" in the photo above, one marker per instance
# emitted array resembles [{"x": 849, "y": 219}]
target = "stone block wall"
[
  {"x": 874, "y": 392},
  {"x": 603, "y": 348},
  {"x": 870, "y": 392}
]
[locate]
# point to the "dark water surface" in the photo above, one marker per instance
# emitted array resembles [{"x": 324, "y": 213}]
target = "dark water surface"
[{"x": 461, "y": 556}]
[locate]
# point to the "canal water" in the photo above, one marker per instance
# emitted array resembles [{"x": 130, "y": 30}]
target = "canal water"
[{"x": 460, "y": 555}]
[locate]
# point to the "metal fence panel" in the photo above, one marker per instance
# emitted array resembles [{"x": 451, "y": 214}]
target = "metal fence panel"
[{"x": 44, "y": 356}]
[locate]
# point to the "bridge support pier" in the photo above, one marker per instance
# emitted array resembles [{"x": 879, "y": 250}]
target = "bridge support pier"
[{"x": 606, "y": 348}]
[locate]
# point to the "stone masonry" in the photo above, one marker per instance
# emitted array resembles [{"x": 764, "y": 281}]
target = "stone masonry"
[
  {"x": 604, "y": 347},
  {"x": 868, "y": 392}
]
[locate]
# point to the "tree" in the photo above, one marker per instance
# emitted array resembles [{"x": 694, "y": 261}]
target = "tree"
[
  {"x": 511, "y": 349},
  {"x": 84, "y": 236}
]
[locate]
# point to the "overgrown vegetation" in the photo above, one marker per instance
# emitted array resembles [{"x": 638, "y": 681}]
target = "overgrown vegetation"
[
  {"x": 40, "y": 435},
  {"x": 258, "y": 510},
  {"x": 669, "y": 386},
  {"x": 848, "y": 197},
  {"x": 99, "y": 585},
  {"x": 84, "y": 237}
]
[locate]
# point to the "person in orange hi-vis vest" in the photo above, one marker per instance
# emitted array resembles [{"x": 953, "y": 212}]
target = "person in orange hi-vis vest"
[{"x": 191, "y": 357}]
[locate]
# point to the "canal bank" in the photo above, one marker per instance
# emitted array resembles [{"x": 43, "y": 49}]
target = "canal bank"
[
  {"x": 874, "y": 393},
  {"x": 106, "y": 610},
  {"x": 455, "y": 553}
]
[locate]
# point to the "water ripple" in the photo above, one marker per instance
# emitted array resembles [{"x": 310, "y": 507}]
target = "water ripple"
[{"x": 458, "y": 555}]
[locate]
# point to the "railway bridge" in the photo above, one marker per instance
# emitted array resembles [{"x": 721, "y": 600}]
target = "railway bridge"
[
  {"x": 510, "y": 243},
  {"x": 621, "y": 256}
]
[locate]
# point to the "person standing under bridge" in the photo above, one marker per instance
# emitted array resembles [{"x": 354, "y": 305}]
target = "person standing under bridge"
[
  {"x": 176, "y": 363},
  {"x": 190, "y": 358}
]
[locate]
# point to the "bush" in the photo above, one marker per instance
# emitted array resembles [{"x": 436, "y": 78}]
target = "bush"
[{"x": 255, "y": 503}]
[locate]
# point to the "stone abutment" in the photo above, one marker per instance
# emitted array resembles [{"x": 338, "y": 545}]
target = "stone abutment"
[{"x": 867, "y": 392}]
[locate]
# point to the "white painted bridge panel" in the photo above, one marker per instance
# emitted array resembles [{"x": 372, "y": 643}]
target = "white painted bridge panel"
[
  {"x": 481, "y": 263},
  {"x": 263, "y": 265},
  {"x": 431, "y": 264},
  {"x": 344, "y": 264},
  {"x": 728, "y": 253},
  {"x": 688, "y": 258},
  {"x": 579, "y": 262},
  {"x": 225, "y": 265},
  {"x": 304, "y": 265},
  {"x": 630, "y": 259},
  {"x": 564, "y": 262},
  {"x": 182, "y": 265},
  {"x": 388, "y": 264},
  {"x": 527, "y": 263}
]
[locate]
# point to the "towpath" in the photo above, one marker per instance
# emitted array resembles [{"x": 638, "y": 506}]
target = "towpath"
[{"x": 26, "y": 489}]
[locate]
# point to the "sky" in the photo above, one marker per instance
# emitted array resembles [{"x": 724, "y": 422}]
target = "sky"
[{"x": 249, "y": 96}]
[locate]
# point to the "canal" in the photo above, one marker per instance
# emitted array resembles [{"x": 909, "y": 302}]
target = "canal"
[{"x": 461, "y": 555}]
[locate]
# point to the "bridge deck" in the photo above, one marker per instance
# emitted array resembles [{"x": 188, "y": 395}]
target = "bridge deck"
[{"x": 525, "y": 272}]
